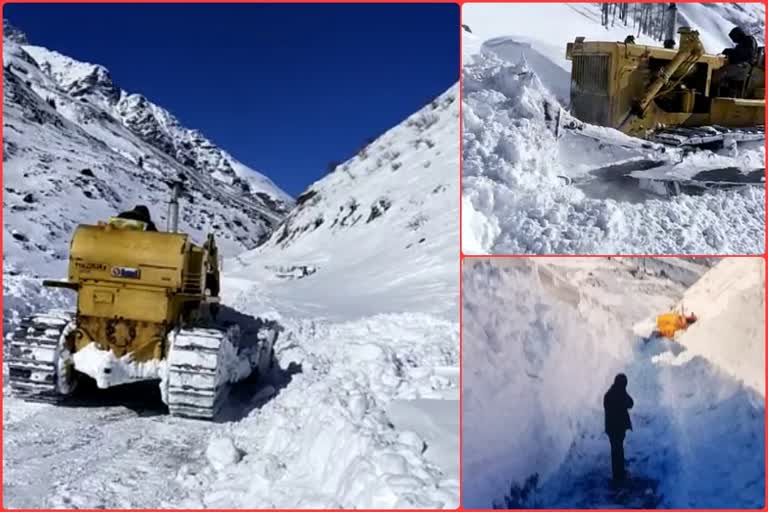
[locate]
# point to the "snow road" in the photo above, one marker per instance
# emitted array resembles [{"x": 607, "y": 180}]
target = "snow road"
[
  {"x": 550, "y": 336},
  {"x": 107, "y": 456},
  {"x": 686, "y": 450}
]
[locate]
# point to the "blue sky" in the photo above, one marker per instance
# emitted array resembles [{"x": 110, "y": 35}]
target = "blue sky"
[{"x": 285, "y": 88}]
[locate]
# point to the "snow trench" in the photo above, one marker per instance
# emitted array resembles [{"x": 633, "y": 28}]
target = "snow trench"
[{"x": 538, "y": 355}]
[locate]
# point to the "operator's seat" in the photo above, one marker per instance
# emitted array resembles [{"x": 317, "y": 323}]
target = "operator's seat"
[{"x": 130, "y": 224}]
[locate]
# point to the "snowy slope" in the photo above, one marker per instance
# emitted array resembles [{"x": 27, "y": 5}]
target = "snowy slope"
[
  {"x": 387, "y": 217},
  {"x": 728, "y": 300},
  {"x": 77, "y": 148},
  {"x": 529, "y": 187},
  {"x": 542, "y": 342}
]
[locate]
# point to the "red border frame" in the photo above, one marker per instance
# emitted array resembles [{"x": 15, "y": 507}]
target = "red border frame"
[{"x": 461, "y": 255}]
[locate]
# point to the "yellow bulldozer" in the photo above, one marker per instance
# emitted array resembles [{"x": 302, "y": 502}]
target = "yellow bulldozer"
[
  {"x": 147, "y": 309},
  {"x": 664, "y": 94}
]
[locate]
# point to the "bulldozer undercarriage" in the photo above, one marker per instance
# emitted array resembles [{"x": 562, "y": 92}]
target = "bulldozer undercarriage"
[
  {"x": 707, "y": 137},
  {"x": 202, "y": 361},
  {"x": 40, "y": 368}
]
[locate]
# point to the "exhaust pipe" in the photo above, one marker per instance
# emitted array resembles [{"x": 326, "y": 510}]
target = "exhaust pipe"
[
  {"x": 669, "y": 35},
  {"x": 173, "y": 214}
]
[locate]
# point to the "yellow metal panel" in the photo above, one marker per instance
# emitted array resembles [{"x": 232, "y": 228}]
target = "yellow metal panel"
[
  {"x": 737, "y": 112},
  {"x": 144, "y": 304},
  {"x": 637, "y": 50},
  {"x": 96, "y": 250}
]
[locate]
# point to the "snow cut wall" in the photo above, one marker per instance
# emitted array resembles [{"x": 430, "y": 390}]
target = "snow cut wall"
[{"x": 532, "y": 365}]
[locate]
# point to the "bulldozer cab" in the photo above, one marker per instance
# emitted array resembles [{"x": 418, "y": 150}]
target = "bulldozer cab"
[{"x": 134, "y": 285}]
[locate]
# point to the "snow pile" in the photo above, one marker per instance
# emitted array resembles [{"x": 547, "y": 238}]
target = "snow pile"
[
  {"x": 328, "y": 432},
  {"x": 365, "y": 410},
  {"x": 709, "y": 452},
  {"x": 520, "y": 199},
  {"x": 729, "y": 302}
]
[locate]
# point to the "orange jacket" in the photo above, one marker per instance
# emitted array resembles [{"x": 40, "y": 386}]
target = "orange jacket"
[{"x": 669, "y": 323}]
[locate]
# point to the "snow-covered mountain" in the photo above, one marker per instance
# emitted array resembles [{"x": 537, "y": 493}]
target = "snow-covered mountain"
[
  {"x": 361, "y": 409},
  {"x": 531, "y": 185},
  {"x": 387, "y": 217},
  {"x": 542, "y": 341},
  {"x": 77, "y": 148}
]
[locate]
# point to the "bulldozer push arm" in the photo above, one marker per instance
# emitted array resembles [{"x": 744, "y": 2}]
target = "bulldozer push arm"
[{"x": 690, "y": 51}]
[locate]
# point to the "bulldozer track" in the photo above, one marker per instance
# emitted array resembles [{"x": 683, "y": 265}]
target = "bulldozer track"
[
  {"x": 700, "y": 136},
  {"x": 201, "y": 363},
  {"x": 34, "y": 357},
  {"x": 197, "y": 376}
]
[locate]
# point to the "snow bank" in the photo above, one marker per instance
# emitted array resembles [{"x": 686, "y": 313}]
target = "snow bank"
[
  {"x": 729, "y": 301},
  {"x": 517, "y": 176},
  {"x": 533, "y": 369},
  {"x": 710, "y": 452},
  {"x": 327, "y": 439}
]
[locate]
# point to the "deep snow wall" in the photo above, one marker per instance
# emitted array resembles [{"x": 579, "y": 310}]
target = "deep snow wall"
[
  {"x": 729, "y": 301},
  {"x": 532, "y": 343}
]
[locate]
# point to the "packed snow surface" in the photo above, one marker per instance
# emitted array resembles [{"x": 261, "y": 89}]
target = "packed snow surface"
[
  {"x": 542, "y": 342},
  {"x": 534, "y": 185}
]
